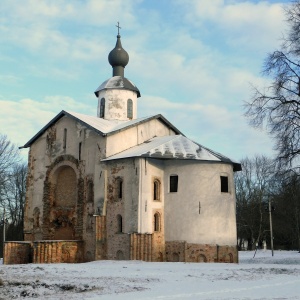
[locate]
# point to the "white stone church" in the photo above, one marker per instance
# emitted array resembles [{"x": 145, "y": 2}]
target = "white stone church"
[{"x": 119, "y": 186}]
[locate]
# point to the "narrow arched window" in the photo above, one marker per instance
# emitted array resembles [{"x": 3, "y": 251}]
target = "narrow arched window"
[
  {"x": 65, "y": 139},
  {"x": 90, "y": 191},
  {"x": 119, "y": 224},
  {"x": 156, "y": 190},
  {"x": 156, "y": 222},
  {"x": 79, "y": 150},
  {"x": 129, "y": 109},
  {"x": 102, "y": 108}
]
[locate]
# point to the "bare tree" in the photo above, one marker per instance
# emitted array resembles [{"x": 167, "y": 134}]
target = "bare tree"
[
  {"x": 8, "y": 156},
  {"x": 11, "y": 187},
  {"x": 15, "y": 192},
  {"x": 277, "y": 107},
  {"x": 253, "y": 186},
  {"x": 287, "y": 215}
]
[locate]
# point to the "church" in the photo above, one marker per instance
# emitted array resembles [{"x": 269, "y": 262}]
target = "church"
[{"x": 118, "y": 186}]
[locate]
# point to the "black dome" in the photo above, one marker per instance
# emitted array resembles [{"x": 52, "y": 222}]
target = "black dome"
[{"x": 118, "y": 57}]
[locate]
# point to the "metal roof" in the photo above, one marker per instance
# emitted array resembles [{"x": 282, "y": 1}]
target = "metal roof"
[
  {"x": 174, "y": 147},
  {"x": 118, "y": 82},
  {"x": 101, "y": 126}
]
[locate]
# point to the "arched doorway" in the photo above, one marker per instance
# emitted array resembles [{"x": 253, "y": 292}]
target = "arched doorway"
[{"x": 63, "y": 211}]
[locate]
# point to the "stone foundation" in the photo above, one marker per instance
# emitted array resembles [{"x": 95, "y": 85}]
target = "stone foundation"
[
  {"x": 43, "y": 252},
  {"x": 185, "y": 252},
  {"x": 17, "y": 253},
  {"x": 136, "y": 247}
]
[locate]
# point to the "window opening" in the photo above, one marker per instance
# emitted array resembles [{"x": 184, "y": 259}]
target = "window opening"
[
  {"x": 102, "y": 107},
  {"x": 119, "y": 224},
  {"x": 173, "y": 183},
  {"x": 119, "y": 188},
  {"x": 65, "y": 139},
  {"x": 129, "y": 109},
  {"x": 156, "y": 222},
  {"x": 156, "y": 190},
  {"x": 79, "y": 151},
  {"x": 90, "y": 191},
  {"x": 224, "y": 184}
]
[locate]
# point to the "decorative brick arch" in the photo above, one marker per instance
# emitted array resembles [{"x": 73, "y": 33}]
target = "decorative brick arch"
[
  {"x": 120, "y": 255},
  {"x": 201, "y": 258},
  {"x": 175, "y": 257},
  {"x": 63, "y": 200}
]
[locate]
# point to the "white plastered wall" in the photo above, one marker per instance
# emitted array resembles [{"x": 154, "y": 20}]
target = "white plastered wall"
[
  {"x": 136, "y": 135},
  {"x": 116, "y": 104},
  {"x": 149, "y": 170},
  {"x": 200, "y": 182}
]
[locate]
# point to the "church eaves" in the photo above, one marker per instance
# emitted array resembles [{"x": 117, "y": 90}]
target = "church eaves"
[
  {"x": 118, "y": 82},
  {"x": 176, "y": 147},
  {"x": 101, "y": 126}
]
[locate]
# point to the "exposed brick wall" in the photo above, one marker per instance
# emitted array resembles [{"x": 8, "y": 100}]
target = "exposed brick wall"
[
  {"x": 158, "y": 237},
  {"x": 182, "y": 251},
  {"x": 61, "y": 222},
  {"x": 44, "y": 252},
  {"x": 118, "y": 243},
  {"x": 28, "y": 235},
  {"x": 141, "y": 246},
  {"x": 17, "y": 252},
  {"x": 101, "y": 240},
  {"x": 58, "y": 252}
]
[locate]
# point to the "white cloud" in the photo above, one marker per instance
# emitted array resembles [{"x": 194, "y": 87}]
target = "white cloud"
[
  {"x": 243, "y": 23},
  {"x": 10, "y": 79},
  {"x": 200, "y": 83},
  {"x": 21, "y": 120}
]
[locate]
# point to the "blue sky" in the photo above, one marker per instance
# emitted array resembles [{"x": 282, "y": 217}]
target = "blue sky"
[{"x": 194, "y": 62}]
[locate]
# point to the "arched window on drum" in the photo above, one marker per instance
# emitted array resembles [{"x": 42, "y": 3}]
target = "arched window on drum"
[{"x": 129, "y": 109}]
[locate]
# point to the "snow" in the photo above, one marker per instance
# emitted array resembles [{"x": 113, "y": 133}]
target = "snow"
[
  {"x": 170, "y": 146},
  {"x": 262, "y": 277}
]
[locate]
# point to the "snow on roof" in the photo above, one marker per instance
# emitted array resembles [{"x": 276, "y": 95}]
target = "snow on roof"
[
  {"x": 106, "y": 126},
  {"x": 102, "y": 126},
  {"x": 118, "y": 82},
  {"x": 173, "y": 147}
]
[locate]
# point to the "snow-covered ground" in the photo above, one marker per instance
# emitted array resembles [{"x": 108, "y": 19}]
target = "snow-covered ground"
[{"x": 262, "y": 277}]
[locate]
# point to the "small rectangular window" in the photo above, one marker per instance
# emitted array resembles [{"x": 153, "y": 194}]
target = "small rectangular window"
[
  {"x": 173, "y": 183},
  {"x": 224, "y": 184}
]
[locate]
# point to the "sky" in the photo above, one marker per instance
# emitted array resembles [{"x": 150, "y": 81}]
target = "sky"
[{"x": 195, "y": 62}]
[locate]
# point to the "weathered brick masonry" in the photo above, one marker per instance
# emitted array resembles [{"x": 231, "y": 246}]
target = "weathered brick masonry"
[
  {"x": 43, "y": 252},
  {"x": 186, "y": 252}
]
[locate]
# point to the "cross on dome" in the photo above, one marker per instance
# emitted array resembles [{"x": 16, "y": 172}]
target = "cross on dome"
[
  {"x": 118, "y": 57},
  {"x": 118, "y": 28}
]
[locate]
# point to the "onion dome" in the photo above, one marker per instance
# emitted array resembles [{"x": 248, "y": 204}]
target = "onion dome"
[{"x": 118, "y": 58}]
